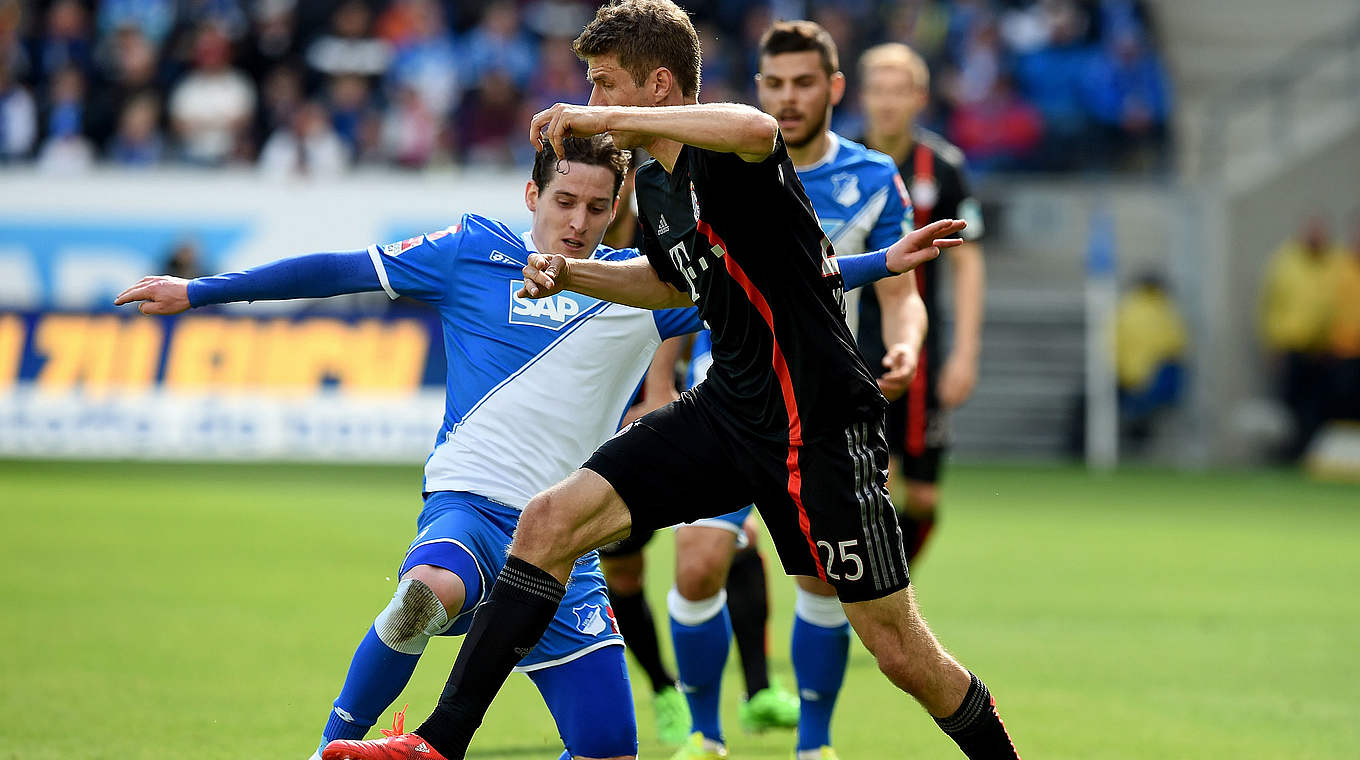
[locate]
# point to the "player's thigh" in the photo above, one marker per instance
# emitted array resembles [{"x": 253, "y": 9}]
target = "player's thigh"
[
  {"x": 592, "y": 703},
  {"x": 463, "y": 535},
  {"x": 814, "y": 585},
  {"x": 922, "y": 497},
  {"x": 673, "y": 466},
  {"x": 570, "y": 518},
  {"x": 830, "y": 516}
]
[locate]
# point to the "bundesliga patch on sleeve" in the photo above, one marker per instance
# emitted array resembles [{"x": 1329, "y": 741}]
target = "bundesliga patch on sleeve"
[{"x": 397, "y": 249}]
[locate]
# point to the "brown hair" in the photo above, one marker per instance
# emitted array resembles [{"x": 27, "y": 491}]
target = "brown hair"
[
  {"x": 896, "y": 55},
  {"x": 800, "y": 37},
  {"x": 645, "y": 35},
  {"x": 594, "y": 151}
]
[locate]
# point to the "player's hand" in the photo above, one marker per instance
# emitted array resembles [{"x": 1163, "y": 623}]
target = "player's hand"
[
  {"x": 544, "y": 275},
  {"x": 158, "y": 295},
  {"x": 562, "y": 120},
  {"x": 917, "y": 247},
  {"x": 900, "y": 363},
  {"x": 958, "y": 376}
]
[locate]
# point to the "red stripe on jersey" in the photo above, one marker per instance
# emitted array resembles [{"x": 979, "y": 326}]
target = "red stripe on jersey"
[
  {"x": 781, "y": 370},
  {"x": 916, "y": 408}
]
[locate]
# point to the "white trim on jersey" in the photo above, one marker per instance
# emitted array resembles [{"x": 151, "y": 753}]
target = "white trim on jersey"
[
  {"x": 578, "y": 654},
  {"x": 376, "y": 255}
]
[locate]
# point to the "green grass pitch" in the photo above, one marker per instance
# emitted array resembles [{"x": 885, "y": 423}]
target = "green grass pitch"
[{"x": 209, "y": 611}]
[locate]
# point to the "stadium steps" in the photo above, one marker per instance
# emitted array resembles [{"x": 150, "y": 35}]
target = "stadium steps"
[{"x": 1029, "y": 377}]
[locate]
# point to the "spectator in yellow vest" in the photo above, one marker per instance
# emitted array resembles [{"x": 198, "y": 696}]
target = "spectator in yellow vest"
[
  {"x": 1150, "y": 344},
  {"x": 1298, "y": 310},
  {"x": 1345, "y": 334}
]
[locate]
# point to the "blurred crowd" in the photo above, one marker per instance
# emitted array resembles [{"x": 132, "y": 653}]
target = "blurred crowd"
[
  {"x": 1310, "y": 324},
  {"x": 318, "y": 86}
]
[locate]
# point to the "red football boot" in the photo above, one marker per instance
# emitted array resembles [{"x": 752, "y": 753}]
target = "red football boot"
[{"x": 395, "y": 745}]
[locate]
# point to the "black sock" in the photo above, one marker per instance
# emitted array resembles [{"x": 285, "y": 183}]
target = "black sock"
[
  {"x": 634, "y": 616},
  {"x": 976, "y": 727},
  {"x": 504, "y": 629},
  {"x": 916, "y": 530},
  {"x": 749, "y": 606}
]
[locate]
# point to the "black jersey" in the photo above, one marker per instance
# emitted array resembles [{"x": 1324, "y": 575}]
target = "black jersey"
[
  {"x": 742, "y": 239},
  {"x": 933, "y": 172}
]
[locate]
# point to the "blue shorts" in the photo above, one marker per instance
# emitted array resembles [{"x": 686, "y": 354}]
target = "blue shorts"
[
  {"x": 733, "y": 521},
  {"x": 454, "y": 525}
]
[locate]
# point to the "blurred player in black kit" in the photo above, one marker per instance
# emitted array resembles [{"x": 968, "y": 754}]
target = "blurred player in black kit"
[{"x": 894, "y": 83}]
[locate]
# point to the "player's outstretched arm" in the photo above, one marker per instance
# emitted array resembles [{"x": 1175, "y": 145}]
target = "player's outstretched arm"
[
  {"x": 317, "y": 275},
  {"x": 633, "y": 282},
  {"x": 720, "y": 127},
  {"x": 919, "y": 246}
]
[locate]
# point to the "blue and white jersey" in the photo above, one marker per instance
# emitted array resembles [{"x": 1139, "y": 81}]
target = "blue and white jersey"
[
  {"x": 861, "y": 203},
  {"x": 534, "y": 386}
]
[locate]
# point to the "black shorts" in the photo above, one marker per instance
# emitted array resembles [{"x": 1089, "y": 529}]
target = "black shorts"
[
  {"x": 918, "y": 432},
  {"x": 824, "y": 502}
]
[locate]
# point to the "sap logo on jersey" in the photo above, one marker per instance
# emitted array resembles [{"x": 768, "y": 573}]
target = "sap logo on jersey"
[
  {"x": 589, "y": 619},
  {"x": 552, "y": 312}
]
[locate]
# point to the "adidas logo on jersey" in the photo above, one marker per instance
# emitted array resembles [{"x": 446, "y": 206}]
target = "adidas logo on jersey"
[
  {"x": 552, "y": 312},
  {"x": 661, "y": 227}
]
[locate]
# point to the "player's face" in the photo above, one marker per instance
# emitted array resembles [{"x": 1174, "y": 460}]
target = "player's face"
[
  {"x": 796, "y": 90},
  {"x": 611, "y": 85},
  {"x": 891, "y": 99},
  {"x": 572, "y": 213}
]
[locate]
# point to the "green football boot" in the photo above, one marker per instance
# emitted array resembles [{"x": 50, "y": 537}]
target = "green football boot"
[
  {"x": 672, "y": 716},
  {"x": 699, "y": 748},
  {"x": 771, "y": 707}
]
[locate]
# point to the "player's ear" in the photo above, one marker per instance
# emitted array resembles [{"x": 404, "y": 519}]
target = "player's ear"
[
  {"x": 661, "y": 83},
  {"x": 837, "y": 88},
  {"x": 531, "y": 195},
  {"x": 614, "y": 210}
]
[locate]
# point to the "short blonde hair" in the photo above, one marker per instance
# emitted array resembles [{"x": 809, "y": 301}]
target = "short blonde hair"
[{"x": 896, "y": 55}]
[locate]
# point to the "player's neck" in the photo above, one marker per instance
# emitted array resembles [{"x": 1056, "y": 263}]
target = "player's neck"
[
  {"x": 665, "y": 151},
  {"x": 895, "y": 144},
  {"x": 812, "y": 151}
]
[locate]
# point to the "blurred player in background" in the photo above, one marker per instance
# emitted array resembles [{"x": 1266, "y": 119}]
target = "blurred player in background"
[
  {"x": 861, "y": 204},
  {"x": 894, "y": 84}
]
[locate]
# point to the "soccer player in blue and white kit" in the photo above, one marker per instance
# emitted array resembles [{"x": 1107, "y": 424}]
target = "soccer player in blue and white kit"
[
  {"x": 499, "y": 443},
  {"x": 861, "y": 204}
]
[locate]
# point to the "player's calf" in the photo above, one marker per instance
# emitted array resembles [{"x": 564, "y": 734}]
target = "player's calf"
[{"x": 911, "y": 657}]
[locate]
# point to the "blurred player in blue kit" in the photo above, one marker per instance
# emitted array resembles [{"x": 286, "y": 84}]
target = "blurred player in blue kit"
[{"x": 505, "y": 436}]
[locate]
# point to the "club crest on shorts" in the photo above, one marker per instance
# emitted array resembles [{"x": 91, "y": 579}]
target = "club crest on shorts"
[{"x": 589, "y": 619}]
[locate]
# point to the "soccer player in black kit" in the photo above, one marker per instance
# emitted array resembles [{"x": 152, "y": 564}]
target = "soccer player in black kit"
[{"x": 790, "y": 417}]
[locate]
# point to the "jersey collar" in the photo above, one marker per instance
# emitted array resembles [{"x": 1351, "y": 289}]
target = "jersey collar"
[{"x": 528, "y": 237}]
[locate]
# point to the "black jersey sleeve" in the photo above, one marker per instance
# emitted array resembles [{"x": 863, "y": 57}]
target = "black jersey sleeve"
[{"x": 956, "y": 196}]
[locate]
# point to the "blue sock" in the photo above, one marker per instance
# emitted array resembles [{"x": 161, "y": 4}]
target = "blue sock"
[
  {"x": 377, "y": 674},
  {"x": 820, "y": 655},
  {"x": 702, "y": 634}
]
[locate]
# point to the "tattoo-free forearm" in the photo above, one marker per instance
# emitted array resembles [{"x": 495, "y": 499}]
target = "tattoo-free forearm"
[
  {"x": 632, "y": 283},
  {"x": 721, "y": 127},
  {"x": 970, "y": 283}
]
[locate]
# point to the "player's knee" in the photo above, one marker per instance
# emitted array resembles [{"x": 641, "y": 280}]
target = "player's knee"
[
  {"x": 411, "y": 618},
  {"x": 922, "y": 498},
  {"x": 545, "y": 522},
  {"x": 899, "y": 667},
  {"x": 702, "y": 577}
]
